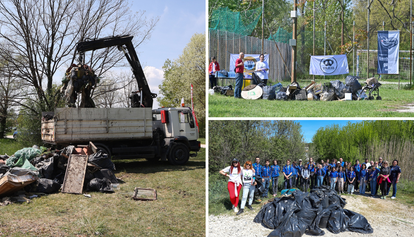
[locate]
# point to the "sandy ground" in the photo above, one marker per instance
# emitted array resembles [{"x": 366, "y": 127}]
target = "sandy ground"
[{"x": 387, "y": 217}]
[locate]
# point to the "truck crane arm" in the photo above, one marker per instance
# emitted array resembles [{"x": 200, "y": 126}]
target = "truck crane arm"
[{"x": 123, "y": 43}]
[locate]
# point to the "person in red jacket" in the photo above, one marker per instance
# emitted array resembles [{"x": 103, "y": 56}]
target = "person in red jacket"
[
  {"x": 212, "y": 69},
  {"x": 239, "y": 75}
]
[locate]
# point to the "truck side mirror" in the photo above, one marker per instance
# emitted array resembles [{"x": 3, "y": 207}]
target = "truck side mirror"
[{"x": 164, "y": 116}]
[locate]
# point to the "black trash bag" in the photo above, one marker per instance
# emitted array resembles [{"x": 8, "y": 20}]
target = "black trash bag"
[
  {"x": 101, "y": 160},
  {"x": 269, "y": 93},
  {"x": 291, "y": 225},
  {"x": 100, "y": 185},
  {"x": 3, "y": 169},
  {"x": 340, "y": 88},
  {"x": 281, "y": 95},
  {"x": 105, "y": 173},
  {"x": 259, "y": 217},
  {"x": 269, "y": 216},
  {"x": 259, "y": 189},
  {"x": 358, "y": 223},
  {"x": 225, "y": 89},
  {"x": 59, "y": 176},
  {"x": 256, "y": 79},
  {"x": 300, "y": 95},
  {"x": 47, "y": 186},
  {"x": 353, "y": 83},
  {"x": 36, "y": 160},
  {"x": 283, "y": 89},
  {"x": 46, "y": 168},
  {"x": 338, "y": 221}
]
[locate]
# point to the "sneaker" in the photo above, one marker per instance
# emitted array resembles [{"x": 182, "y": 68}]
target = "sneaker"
[
  {"x": 240, "y": 212},
  {"x": 385, "y": 197},
  {"x": 236, "y": 209},
  {"x": 250, "y": 207},
  {"x": 392, "y": 197}
]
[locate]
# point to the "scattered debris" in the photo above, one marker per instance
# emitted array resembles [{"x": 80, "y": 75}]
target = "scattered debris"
[
  {"x": 34, "y": 172},
  {"x": 145, "y": 194}
]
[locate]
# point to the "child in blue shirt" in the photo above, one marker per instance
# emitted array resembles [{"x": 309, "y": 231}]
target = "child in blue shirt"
[
  {"x": 351, "y": 180},
  {"x": 334, "y": 178}
]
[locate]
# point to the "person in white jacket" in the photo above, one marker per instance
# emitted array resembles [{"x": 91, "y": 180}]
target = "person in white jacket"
[
  {"x": 262, "y": 69},
  {"x": 234, "y": 184},
  {"x": 305, "y": 177},
  {"x": 248, "y": 179}
]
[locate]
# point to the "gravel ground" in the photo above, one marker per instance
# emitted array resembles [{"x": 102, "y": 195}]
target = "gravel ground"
[{"x": 387, "y": 217}]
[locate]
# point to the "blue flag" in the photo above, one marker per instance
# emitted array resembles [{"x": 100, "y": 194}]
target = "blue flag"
[
  {"x": 328, "y": 65},
  {"x": 388, "y": 50}
]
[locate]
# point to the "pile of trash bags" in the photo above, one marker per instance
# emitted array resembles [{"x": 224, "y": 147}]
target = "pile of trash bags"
[
  {"x": 43, "y": 171},
  {"x": 309, "y": 212},
  {"x": 333, "y": 90}
]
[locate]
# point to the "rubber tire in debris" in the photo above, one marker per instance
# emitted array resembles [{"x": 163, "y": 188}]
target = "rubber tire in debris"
[
  {"x": 179, "y": 154},
  {"x": 379, "y": 98},
  {"x": 104, "y": 148}
]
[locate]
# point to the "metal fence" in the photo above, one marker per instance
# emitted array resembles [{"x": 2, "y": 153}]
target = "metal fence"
[
  {"x": 362, "y": 65},
  {"x": 222, "y": 44}
]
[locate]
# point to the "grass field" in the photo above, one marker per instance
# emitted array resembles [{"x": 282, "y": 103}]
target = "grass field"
[
  {"x": 179, "y": 210},
  {"x": 392, "y": 99}
]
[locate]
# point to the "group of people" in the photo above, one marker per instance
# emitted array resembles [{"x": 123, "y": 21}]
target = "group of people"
[
  {"x": 261, "y": 71},
  {"x": 338, "y": 175}
]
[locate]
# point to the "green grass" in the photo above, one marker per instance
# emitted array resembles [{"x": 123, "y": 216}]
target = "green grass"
[
  {"x": 9, "y": 146},
  {"x": 179, "y": 210},
  {"x": 392, "y": 99}
]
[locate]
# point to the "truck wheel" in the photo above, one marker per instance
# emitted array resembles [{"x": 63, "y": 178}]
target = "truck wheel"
[
  {"x": 104, "y": 148},
  {"x": 179, "y": 154}
]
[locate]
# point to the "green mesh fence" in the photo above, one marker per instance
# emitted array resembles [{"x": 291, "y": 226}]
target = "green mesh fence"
[
  {"x": 281, "y": 35},
  {"x": 242, "y": 23}
]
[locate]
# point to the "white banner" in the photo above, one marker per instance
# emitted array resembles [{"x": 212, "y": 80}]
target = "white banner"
[
  {"x": 388, "y": 49},
  {"x": 328, "y": 65}
]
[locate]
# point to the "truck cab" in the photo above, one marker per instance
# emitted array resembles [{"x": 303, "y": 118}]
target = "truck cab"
[{"x": 180, "y": 132}]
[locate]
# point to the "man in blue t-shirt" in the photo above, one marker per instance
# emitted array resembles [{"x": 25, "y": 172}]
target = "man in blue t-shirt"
[
  {"x": 357, "y": 169},
  {"x": 266, "y": 173},
  {"x": 287, "y": 172},
  {"x": 258, "y": 172}
]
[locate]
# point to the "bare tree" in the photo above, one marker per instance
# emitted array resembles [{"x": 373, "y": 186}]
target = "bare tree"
[
  {"x": 9, "y": 93},
  {"x": 42, "y": 35},
  {"x": 114, "y": 90}
]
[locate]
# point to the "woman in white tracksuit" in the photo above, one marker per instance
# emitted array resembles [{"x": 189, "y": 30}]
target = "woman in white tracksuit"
[{"x": 248, "y": 178}]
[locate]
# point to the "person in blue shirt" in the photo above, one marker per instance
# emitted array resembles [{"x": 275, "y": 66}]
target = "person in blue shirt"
[
  {"x": 334, "y": 178},
  {"x": 394, "y": 177},
  {"x": 312, "y": 169},
  {"x": 341, "y": 161},
  {"x": 333, "y": 164},
  {"x": 357, "y": 169},
  {"x": 372, "y": 178},
  {"x": 320, "y": 173},
  {"x": 258, "y": 172},
  {"x": 363, "y": 179},
  {"x": 294, "y": 174},
  {"x": 299, "y": 168},
  {"x": 287, "y": 172},
  {"x": 326, "y": 180},
  {"x": 351, "y": 180},
  {"x": 266, "y": 173},
  {"x": 275, "y": 177},
  {"x": 341, "y": 179}
]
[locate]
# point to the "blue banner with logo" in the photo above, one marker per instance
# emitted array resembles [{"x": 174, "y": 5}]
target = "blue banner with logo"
[
  {"x": 388, "y": 49},
  {"x": 329, "y": 65}
]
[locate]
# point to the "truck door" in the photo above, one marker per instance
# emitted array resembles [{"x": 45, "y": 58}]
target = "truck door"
[{"x": 187, "y": 125}]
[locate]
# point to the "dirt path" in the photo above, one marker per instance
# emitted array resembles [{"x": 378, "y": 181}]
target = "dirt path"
[{"x": 388, "y": 218}]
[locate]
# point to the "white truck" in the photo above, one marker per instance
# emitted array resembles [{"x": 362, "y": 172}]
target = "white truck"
[{"x": 140, "y": 132}]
